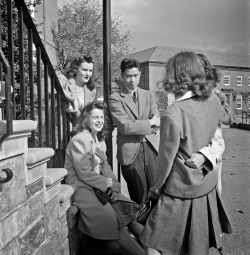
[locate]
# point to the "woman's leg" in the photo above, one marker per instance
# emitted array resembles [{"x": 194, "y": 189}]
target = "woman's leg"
[
  {"x": 135, "y": 228},
  {"x": 129, "y": 244},
  {"x": 151, "y": 251}
]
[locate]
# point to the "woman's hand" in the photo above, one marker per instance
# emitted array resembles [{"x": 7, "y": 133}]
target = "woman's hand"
[
  {"x": 196, "y": 160},
  {"x": 116, "y": 186},
  {"x": 113, "y": 197}
]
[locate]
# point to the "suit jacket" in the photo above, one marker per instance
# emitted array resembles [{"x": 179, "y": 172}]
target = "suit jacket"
[
  {"x": 132, "y": 122},
  {"x": 81, "y": 161},
  {"x": 186, "y": 126}
]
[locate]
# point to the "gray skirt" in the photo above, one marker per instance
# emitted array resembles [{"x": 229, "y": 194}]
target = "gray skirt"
[{"x": 186, "y": 226}]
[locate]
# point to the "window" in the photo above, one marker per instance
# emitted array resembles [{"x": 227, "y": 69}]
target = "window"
[
  {"x": 227, "y": 79},
  {"x": 239, "y": 80},
  {"x": 239, "y": 101}
]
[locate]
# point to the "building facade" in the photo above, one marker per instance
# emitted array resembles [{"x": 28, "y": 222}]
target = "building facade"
[{"x": 235, "y": 72}]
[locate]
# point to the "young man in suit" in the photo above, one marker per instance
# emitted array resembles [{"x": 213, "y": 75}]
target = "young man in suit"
[{"x": 135, "y": 113}]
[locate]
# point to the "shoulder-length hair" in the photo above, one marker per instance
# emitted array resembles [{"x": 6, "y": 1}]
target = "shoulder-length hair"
[
  {"x": 185, "y": 72},
  {"x": 71, "y": 71},
  {"x": 82, "y": 121},
  {"x": 212, "y": 74}
]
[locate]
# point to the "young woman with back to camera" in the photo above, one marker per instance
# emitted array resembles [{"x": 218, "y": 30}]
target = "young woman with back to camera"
[{"x": 189, "y": 217}]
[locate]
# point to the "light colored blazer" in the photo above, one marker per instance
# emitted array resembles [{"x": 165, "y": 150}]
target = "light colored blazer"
[
  {"x": 186, "y": 126},
  {"x": 132, "y": 122},
  {"x": 83, "y": 164}
]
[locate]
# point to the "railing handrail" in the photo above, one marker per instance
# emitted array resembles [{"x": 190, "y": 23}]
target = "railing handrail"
[
  {"x": 9, "y": 116},
  {"x": 39, "y": 44},
  {"x": 34, "y": 39}
]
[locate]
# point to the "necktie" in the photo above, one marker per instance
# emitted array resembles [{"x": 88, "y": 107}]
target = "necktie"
[{"x": 134, "y": 96}]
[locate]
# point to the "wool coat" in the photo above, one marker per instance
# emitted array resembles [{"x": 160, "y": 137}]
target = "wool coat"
[
  {"x": 189, "y": 217},
  {"x": 132, "y": 122},
  {"x": 87, "y": 168}
]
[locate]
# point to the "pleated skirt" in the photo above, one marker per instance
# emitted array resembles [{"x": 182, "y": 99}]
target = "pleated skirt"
[{"x": 186, "y": 226}]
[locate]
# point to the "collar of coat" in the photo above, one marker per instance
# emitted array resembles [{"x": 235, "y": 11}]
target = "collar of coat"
[
  {"x": 187, "y": 95},
  {"x": 97, "y": 146}
]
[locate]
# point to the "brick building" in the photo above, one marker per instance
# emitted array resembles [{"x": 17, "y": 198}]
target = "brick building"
[{"x": 235, "y": 70}]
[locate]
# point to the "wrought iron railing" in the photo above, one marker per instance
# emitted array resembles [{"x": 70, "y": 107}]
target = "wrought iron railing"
[{"x": 32, "y": 89}]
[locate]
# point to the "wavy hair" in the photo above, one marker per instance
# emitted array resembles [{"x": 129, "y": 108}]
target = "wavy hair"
[
  {"x": 185, "y": 72},
  {"x": 212, "y": 74},
  {"x": 82, "y": 121},
  {"x": 71, "y": 71}
]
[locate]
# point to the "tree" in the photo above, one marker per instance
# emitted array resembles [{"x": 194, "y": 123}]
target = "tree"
[{"x": 80, "y": 31}]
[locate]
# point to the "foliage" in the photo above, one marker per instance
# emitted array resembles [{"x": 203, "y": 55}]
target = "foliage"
[
  {"x": 161, "y": 99},
  {"x": 80, "y": 31}
]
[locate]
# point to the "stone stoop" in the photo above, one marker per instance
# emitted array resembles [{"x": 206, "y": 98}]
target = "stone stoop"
[
  {"x": 52, "y": 182},
  {"x": 36, "y": 163},
  {"x": 66, "y": 191}
]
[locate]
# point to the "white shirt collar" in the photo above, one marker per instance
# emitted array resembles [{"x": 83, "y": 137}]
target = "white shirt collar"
[{"x": 187, "y": 95}]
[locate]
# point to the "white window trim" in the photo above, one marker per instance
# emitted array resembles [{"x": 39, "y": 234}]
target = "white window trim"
[
  {"x": 239, "y": 77},
  {"x": 239, "y": 102},
  {"x": 249, "y": 80},
  {"x": 227, "y": 76}
]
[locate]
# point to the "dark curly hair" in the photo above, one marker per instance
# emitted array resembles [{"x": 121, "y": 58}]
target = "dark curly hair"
[
  {"x": 71, "y": 71},
  {"x": 82, "y": 121},
  {"x": 185, "y": 72},
  {"x": 212, "y": 73},
  {"x": 128, "y": 63}
]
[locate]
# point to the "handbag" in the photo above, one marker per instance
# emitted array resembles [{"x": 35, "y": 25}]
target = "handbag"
[
  {"x": 103, "y": 197},
  {"x": 144, "y": 211}
]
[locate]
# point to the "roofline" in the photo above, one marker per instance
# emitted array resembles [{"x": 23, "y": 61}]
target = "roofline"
[{"x": 157, "y": 63}]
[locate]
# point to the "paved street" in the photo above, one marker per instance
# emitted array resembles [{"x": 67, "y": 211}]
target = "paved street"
[{"x": 236, "y": 189}]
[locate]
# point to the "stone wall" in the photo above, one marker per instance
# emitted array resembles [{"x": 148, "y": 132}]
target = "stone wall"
[{"x": 28, "y": 225}]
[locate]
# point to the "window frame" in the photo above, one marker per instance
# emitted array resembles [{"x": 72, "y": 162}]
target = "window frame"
[
  {"x": 239, "y": 102},
  {"x": 227, "y": 76},
  {"x": 239, "y": 77}
]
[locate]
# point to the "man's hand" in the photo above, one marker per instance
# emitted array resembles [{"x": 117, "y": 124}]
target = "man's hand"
[
  {"x": 155, "y": 121},
  {"x": 196, "y": 160}
]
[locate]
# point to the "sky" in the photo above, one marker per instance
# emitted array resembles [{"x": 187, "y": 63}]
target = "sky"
[{"x": 220, "y": 25}]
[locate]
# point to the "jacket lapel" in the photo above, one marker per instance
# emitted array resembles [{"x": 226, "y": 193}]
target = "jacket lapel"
[
  {"x": 100, "y": 153},
  {"x": 141, "y": 102},
  {"x": 128, "y": 100}
]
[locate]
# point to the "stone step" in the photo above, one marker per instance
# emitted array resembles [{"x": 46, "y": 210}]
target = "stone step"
[
  {"x": 36, "y": 163},
  {"x": 52, "y": 182},
  {"x": 66, "y": 191},
  {"x": 16, "y": 143}
]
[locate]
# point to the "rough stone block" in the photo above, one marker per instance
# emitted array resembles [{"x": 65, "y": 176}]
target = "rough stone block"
[
  {"x": 34, "y": 189},
  {"x": 65, "y": 248},
  {"x": 11, "y": 248},
  {"x": 64, "y": 207},
  {"x": 63, "y": 228},
  {"x": 51, "y": 192},
  {"x": 13, "y": 224},
  {"x": 14, "y": 145},
  {"x": 51, "y": 216},
  {"x": 32, "y": 237},
  {"x": 13, "y": 192},
  {"x": 35, "y": 172},
  {"x": 36, "y": 208}
]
